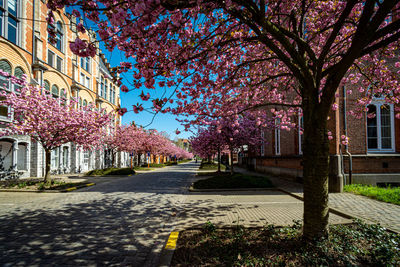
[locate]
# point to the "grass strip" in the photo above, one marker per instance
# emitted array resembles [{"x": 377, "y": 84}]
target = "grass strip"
[{"x": 389, "y": 194}]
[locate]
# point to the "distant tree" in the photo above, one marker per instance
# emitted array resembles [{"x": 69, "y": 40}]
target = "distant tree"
[{"x": 52, "y": 123}]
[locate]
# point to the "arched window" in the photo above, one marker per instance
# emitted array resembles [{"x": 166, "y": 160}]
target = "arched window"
[
  {"x": 18, "y": 72},
  {"x": 5, "y": 67},
  {"x": 63, "y": 95},
  {"x": 46, "y": 86},
  {"x": 84, "y": 103},
  {"x": 54, "y": 91},
  {"x": 9, "y": 21}
]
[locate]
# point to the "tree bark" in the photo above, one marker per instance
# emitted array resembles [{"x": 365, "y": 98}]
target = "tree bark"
[
  {"x": 219, "y": 159},
  {"x": 231, "y": 158},
  {"x": 315, "y": 175},
  {"x": 47, "y": 178}
]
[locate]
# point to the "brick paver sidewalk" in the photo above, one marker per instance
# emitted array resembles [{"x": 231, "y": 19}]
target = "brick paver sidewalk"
[{"x": 370, "y": 210}]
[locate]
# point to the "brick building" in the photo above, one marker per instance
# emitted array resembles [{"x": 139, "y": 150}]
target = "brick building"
[
  {"x": 372, "y": 156},
  {"x": 25, "y": 49}
]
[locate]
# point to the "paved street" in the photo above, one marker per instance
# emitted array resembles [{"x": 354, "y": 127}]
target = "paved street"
[
  {"x": 125, "y": 222},
  {"x": 120, "y": 223},
  {"x": 365, "y": 208}
]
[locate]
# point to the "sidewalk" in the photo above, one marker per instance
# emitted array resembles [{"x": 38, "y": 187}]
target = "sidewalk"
[{"x": 367, "y": 209}]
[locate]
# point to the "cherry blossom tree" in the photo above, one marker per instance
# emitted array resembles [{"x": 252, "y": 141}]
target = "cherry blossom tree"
[
  {"x": 225, "y": 56},
  {"x": 226, "y": 134},
  {"x": 52, "y": 123}
]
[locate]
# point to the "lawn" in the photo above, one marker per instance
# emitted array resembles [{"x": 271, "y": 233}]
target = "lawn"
[
  {"x": 110, "y": 171},
  {"x": 205, "y": 166},
  {"x": 37, "y": 184},
  {"x": 228, "y": 181},
  {"x": 390, "y": 195},
  {"x": 357, "y": 244}
]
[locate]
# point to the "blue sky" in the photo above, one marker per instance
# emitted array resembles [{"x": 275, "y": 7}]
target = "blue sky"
[{"x": 162, "y": 122}]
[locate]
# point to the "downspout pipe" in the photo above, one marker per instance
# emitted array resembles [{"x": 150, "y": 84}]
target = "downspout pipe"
[
  {"x": 345, "y": 132},
  {"x": 33, "y": 34}
]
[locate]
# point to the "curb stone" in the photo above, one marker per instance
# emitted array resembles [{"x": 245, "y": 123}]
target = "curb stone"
[
  {"x": 168, "y": 250},
  {"x": 48, "y": 191},
  {"x": 191, "y": 189}
]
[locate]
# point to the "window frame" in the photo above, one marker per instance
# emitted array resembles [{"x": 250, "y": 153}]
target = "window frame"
[
  {"x": 277, "y": 137},
  {"x": 262, "y": 149},
  {"x": 378, "y": 104},
  {"x": 5, "y": 19},
  {"x": 300, "y": 129},
  {"x": 86, "y": 64}
]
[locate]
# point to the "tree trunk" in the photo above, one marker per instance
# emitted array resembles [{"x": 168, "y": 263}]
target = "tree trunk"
[
  {"x": 138, "y": 160},
  {"x": 219, "y": 159},
  {"x": 231, "y": 158},
  {"x": 315, "y": 175},
  {"x": 47, "y": 178}
]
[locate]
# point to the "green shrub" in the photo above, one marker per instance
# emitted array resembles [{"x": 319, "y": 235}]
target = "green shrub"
[
  {"x": 111, "y": 171},
  {"x": 390, "y": 195}
]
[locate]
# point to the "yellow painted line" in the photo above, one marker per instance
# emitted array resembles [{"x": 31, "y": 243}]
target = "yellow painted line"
[
  {"x": 90, "y": 184},
  {"x": 71, "y": 189},
  {"x": 171, "y": 243}
]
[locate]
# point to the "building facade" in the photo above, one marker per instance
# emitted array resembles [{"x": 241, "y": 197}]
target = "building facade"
[
  {"x": 372, "y": 155},
  {"x": 25, "y": 49}
]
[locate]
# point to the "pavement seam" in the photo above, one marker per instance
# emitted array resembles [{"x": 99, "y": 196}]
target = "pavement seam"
[{"x": 339, "y": 212}]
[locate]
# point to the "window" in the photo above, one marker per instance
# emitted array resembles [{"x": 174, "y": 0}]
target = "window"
[
  {"x": 380, "y": 122},
  {"x": 59, "y": 65},
  {"x": 55, "y": 91},
  {"x": 59, "y": 38},
  {"x": 85, "y": 63},
  {"x": 262, "y": 144},
  {"x": 18, "y": 72},
  {"x": 54, "y": 61},
  {"x": 80, "y": 102},
  {"x": 55, "y": 163},
  {"x": 112, "y": 95},
  {"x": 5, "y": 67},
  {"x": 50, "y": 58},
  {"x": 277, "y": 137},
  {"x": 102, "y": 86},
  {"x": 63, "y": 96},
  {"x": 105, "y": 89},
  {"x": 84, "y": 103},
  {"x": 4, "y": 81},
  {"x": 301, "y": 135},
  {"x": 85, "y": 81},
  {"x": 46, "y": 87},
  {"x": 9, "y": 22}
]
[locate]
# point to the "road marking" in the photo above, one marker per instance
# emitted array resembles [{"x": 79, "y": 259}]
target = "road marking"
[
  {"x": 71, "y": 189},
  {"x": 253, "y": 203},
  {"x": 171, "y": 243}
]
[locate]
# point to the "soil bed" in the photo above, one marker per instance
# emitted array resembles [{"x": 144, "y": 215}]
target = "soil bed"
[
  {"x": 357, "y": 244},
  {"x": 37, "y": 184},
  {"x": 110, "y": 171}
]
